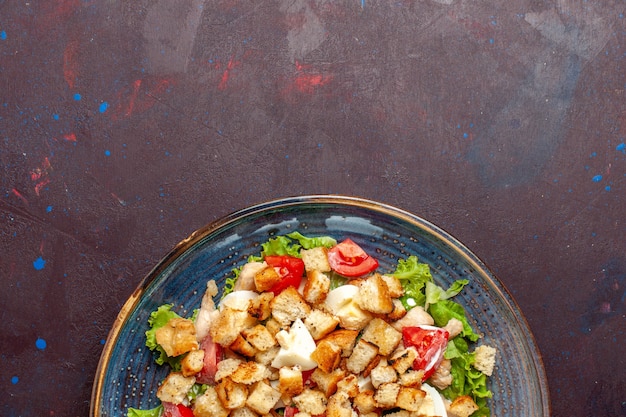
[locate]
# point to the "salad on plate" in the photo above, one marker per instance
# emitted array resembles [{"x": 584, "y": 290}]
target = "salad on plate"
[{"x": 313, "y": 327}]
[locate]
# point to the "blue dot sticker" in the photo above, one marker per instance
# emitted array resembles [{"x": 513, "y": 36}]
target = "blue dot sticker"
[
  {"x": 77, "y": 97},
  {"x": 41, "y": 344},
  {"x": 103, "y": 107},
  {"x": 39, "y": 264},
  {"x": 597, "y": 178},
  {"x": 3, "y": 35},
  {"x": 14, "y": 380}
]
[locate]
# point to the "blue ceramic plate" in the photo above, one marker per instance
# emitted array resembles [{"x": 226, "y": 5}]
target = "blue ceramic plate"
[{"x": 128, "y": 377}]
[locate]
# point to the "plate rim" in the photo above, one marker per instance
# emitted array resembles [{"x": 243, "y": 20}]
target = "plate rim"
[{"x": 336, "y": 199}]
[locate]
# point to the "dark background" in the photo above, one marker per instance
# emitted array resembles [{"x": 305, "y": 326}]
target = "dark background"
[{"x": 126, "y": 125}]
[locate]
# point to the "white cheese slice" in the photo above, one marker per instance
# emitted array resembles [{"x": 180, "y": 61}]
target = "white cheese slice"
[{"x": 296, "y": 347}]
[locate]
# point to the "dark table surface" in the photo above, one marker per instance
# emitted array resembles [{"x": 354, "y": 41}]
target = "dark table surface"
[{"x": 126, "y": 125}]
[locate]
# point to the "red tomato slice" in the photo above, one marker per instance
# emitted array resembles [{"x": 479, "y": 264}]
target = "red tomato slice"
[
  {"x": 350, "y": 260},
  {"x": 290, "y": 411},
  {"x": 176, "y": 410},
  {"x": 212, "y": 355},
  {"x": 290, "y": 269},
  {"x": 430, "y": 343}
]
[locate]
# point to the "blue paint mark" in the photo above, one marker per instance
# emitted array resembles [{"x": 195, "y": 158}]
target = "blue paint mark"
[
  {"x": 77, "y": 97},
  {"x": 102, "y": 341},
  {"x": 41, "y": 344},
  {"x": 55, "y": 116},
  {"x": 3, "y": 35},
  {"x": 103, "y": 107},
  {"x": 39, "y": 264},
  {"x": 597, "y": 178},
  {"x": 621, "y": 147},
  {"x": 49, "y": 209},
  {"x": 107, "y": 152},
  {"x": 607, "y": 188},
  {"x": 14, "y": 380}
]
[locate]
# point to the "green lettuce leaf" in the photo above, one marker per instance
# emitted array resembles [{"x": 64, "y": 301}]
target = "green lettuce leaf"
[
  {"x": 157, "y": 320},
  {"x": 435, "y": 293},
  {"x": 442, "y": 311},
  {"x": 413, "y": 275},
  {"x": 196, "y": 391},
  {"x": 155, "y": 412},
  {"x": 312, "y": 242},
  {"x": 281, "y": 245}
]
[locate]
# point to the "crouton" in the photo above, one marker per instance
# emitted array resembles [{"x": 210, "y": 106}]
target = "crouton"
[
  {"x": 362, "y": 354},
  {"x": 274, "y": 327},
  {"x": 289, "y": 306},
  {"x": 311, "y": 401},
  {"x": 228, "y": 324},
  {"x": 315, "y": 259},
  {"x": 398, "y": 311},
  {"x": 349, "y": 385},
  {"x": 259, "y": 307},
  {"x": 177, "y": 336},
  {"x": 268, "y": 356},
  {"x": 463, "y": 406},
  {"x": 174, "y": 388},
  {"x": 387, "y": 394},
  {"x": 262, "y": 398},
  {"x": 485, "y": 359},
  {"x": 393, "y": 285},
  {"x": 243, "y": 412},
  {"x": 209, "y": 405},
  {"x": 343, "y": 338},
  {"x": 410, "y": 398},
  {"x": 249, "y": 373},
  {"x": 243, "y": 347},
  {"x": 382, "y": 374},
  {"x": 266, "y": 278},
  {"x": 403, "y": 359},
  {"x": 327, "y": 381},
  {"x": 373, "y": 295},
  {"x": 411, "y": 378},
  {"x": 226, "y": 367},
  {"x": 290, "y": 381},
  {"x": 364, "y": 402},
  {"x": 316, "y": 287},
  {"x": 327, "y": 355},
  {"x": 231, "y": 394},
  {"x": 245, "y": 281},
  {"x": 319, "y": 323},
  {"x": 339, "y": 405},
  {"x": 192, "y": 363},
  {"x": 381, "y": 334},
  {"x": 259, "y": 337},
  {"x": 400, "y": 413}
]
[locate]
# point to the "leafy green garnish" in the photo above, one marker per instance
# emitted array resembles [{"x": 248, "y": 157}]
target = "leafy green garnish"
[
  {"x": 413, "y": 275},
  {"x": 434, "y": 293},
  {"x": 313, "y": 242},
  {"x": 442, "y": 311},
  {"x": 468, "y": 381},
  {"x": 281, "y": 245},
  {"x": 196, "y": 391},
  {"x": 154, "y": 412},
  {"x": 158, "y": 319}
]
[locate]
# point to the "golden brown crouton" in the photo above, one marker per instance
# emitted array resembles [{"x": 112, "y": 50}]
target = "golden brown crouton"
[
  {"x": 228, "y": 324},
  {"x": 316, "y": 287},
  {"x": 290, "y": 381},
  {"x": 327, "y": 382},
  {"x": 387, "y": 394},
  {"x": 373, "y": 295},
  {"x": 343, "y": 338},
  {"x": 192, "y": 363},
  {"x": 349, "y": 385},
  {"x": 393, "y": 285},
  {"x": 319, "y": 323},
  {"x": 249, "y": 373},
  {"x": 403, "y": 359},
  {"x": 381, "y": 334},
  {"x": 262, "y": 398},
  {"x": 231, "y": 394},
  {"x": 362, "y": 354},
  {"x": 268, "y": 356},
  {"x": 364, "y": 402},
  {"x": 398, "y": 311},
  {"x": 266, "y": 278},
  {"x": 339, "y": 405},
  {"x": 383, "y": 373},
  {"x": 463, "y": 406},
  {"x": 174, "y": 388},
  {"x": 259, "y": 307},
  {"x": 226, "y": 367},
  {"x": 259, "y": 337},
  {"x": 289, "y": 306},
  {"x": 315, "y": 259},
  {"x": 327, "y": 355},
  {"x": 311, "y": 401},
  {"x": 243, "y": 412},
  {"x": 209, "y": 405},
  {"x": 410, "y": 399},
  {"x": 411, "y": 378},
  {"x": 177, "y": 336},
  {"x": 241, "y": 346}
]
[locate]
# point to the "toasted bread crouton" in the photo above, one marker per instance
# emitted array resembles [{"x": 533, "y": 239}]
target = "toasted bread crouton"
[
  {"x": 410, "y": 398},
  {"x": 231, "y": 394},
  {"x": 289, "y": 306},
  {"x": 245, "y": 281},
  {"x": 343, "y": 338},
  {"x": 349, "y": 385},
  {"x": 301, "y": 414},
  {"x": 387, "y": 394},
  {"x": 311, "y": 401},
  {"x": 226, "y": 367},
  {"x": 362, "y": 354},
  {"x": 259, "y": 307},
  {"x": 382, "y": 374},
  {"x": 327, "y": 382},
  {"x": 381, "y": 334},
  {"x": 274, "y": 327},
  {"x": 400, "y": 413},
  {"x": 393, "y": 285},
  {"x": 411, "y": 378},
  {"x": 174, "y": 387},
  {"x": 228, "y": 324},
  {"x": 241, "y": 346},
  {"x": 243, "y": 412},
  {"x": 364, "y": 402},
  {"x": 373, "y": 295},
  {"x": 320, "y": 323},
  {"x": 316, "y": 287},
  {"x": 192, "y": 363},
  {"x": 290, "y": 381},
  {"x": 327, "y": 355},
  {"x": 177, "y": 336},
  {"x": 249, "y": 373},
  {"x": 209, "y": 405},
  {"x": 398, "y": 311},
  {"x": 485, "y": 359},
  {"x": 339, "y": 405},
  {"x": 315, "y": 259},
  {"x": 268, "y": 356},
  {"x": 463, "y": 406},
  {"x": 266, "y": 278},
  {"x": 403, "y": 359},
  {"x": 259, "y": 337},
  {"x": 262, "y": 398}
]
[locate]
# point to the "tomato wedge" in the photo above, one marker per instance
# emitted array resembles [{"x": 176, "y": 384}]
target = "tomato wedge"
[
  {"x": 290, "y": 270},
  {"x": 176, "y": 410},
  {"x": 350, "y": 260},
  {"x": 430, "y": 343}
]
